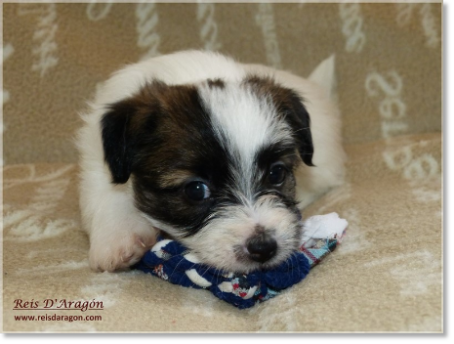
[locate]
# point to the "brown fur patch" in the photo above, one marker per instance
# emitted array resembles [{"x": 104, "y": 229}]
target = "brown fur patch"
[
  {"x": 155, "y": 131},
  {"x": 166, "y": 115},
  {"x": 174, "y": 141},
  {"x": 216, "y": 83},
  {"x": 290, "y": 107},
  {"x": 175, "y": 178},
  {"x": 268, "y": 88}
]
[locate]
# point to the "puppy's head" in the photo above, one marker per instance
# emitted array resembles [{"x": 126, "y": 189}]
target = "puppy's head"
[{"x": 212, "y": 165}]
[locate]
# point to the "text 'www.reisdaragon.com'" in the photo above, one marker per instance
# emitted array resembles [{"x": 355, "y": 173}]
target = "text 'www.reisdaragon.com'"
[{"x": 58, "y": 317}]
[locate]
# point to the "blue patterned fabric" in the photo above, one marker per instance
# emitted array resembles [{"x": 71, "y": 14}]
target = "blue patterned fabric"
[{"x": 169, "y": 260}]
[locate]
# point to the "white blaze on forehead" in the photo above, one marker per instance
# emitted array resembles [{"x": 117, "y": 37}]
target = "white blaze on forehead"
[{"x": 244, "y": 124}]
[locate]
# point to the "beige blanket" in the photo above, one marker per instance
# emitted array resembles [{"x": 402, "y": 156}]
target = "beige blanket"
[{"x": 387, "y": 274}]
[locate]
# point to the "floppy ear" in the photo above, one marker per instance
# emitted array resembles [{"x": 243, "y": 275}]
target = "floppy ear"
[
  {"x": 117, "y": 140},
  {"x": 298, "y": 118},
  {"x": 126, "y": 126}
]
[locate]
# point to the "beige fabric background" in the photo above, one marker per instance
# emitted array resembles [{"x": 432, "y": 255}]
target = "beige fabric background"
[
  {"x": 386, "y": 276},
  {"x": 62, "y": 51}
]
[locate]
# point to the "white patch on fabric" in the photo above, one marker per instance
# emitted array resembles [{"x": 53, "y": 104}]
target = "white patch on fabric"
[
  {"x": 356, "y": 236},
  {"x": 225, "y": 287},
  {"x": 56, "y": 252},
  {"x": 416, "y": 271},
  {"x": 250, "y": 293},
  {"x": 428, "y": 190},
  {"x": 53, "y": 268},
  {"x": 30, "y": 176},
  {"x": 48, "y": 196},
  {"x": 197, "y": 279},
  {"x": 107, "y": 287},
  {"x": 15, "y": 216},
  {"x": 157, "y": 248},
  {"x": 31, "y": 224},
  {"x": 35, "y": 228},
  {"x": 192, "y": 258}
]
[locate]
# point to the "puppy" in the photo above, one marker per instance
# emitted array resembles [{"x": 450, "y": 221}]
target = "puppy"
[{"x": 219, "y": 155}]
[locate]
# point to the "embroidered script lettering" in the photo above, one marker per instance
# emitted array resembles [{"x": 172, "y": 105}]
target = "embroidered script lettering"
[
  {"x": 209, "y": 29},
  {"x": 428, "y": 23},
  {"x": 97, "y": 11},
  {"x": 265, "y": 19},
  {"x": 7, "y": 52},
  {"x": 352, "y": 24},
  {"x": 391, "y": 108},
  {"x": 147, "y": 20},
  {"x": 45, "y": 49}
]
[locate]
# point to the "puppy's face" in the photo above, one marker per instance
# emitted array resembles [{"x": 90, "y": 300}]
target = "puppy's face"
[{"x": 212, "y": 165}]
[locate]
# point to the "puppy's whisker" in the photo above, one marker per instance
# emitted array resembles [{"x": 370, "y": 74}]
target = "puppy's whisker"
[
  {"x": 176, "y": 266},
  {"x": 183, "y": 259},
  {"x": 301, "y": 129}
]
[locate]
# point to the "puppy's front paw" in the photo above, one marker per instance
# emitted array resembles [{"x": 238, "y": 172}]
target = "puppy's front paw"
[{"x": 119, "y": 253}]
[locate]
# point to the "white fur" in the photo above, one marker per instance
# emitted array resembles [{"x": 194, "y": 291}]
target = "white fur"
[
  {"x": 329, "y": 156},
  {"x": 120, "y": 234},
  {"x": 247, "y": 123},
  {"x": 213, "y": 244}
]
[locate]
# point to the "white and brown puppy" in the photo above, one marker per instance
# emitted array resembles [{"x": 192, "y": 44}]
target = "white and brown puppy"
[{"x": 217, "y": 154}]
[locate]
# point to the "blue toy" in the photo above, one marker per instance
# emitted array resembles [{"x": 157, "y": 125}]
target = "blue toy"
[{"x": 171, "y": 261}]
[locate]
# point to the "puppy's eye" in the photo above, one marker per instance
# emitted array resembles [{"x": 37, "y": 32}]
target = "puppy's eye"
[
  {"x": 197, "y": 191},
  {"x": 277, "y": 174}
]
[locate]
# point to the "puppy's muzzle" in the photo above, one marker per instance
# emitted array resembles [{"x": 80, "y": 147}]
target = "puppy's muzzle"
[{"x": 261, "y": 247}]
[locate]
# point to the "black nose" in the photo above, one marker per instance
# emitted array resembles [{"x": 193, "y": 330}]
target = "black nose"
[{"x": 261, "y": 247}]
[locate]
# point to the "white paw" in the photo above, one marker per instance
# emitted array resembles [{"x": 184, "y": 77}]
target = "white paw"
[{"x": 120, "y": 251}]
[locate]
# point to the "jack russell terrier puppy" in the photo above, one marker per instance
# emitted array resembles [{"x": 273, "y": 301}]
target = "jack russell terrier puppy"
[{"x": 219, "y": 155}]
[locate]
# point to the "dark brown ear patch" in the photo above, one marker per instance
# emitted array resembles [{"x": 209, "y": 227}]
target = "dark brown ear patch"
[
  {"x": 118, "y": 139},
  {"x": 289, "y": 105},
  {"x": 131, "y": 124},
  {"x": 158, "y": 129}
]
